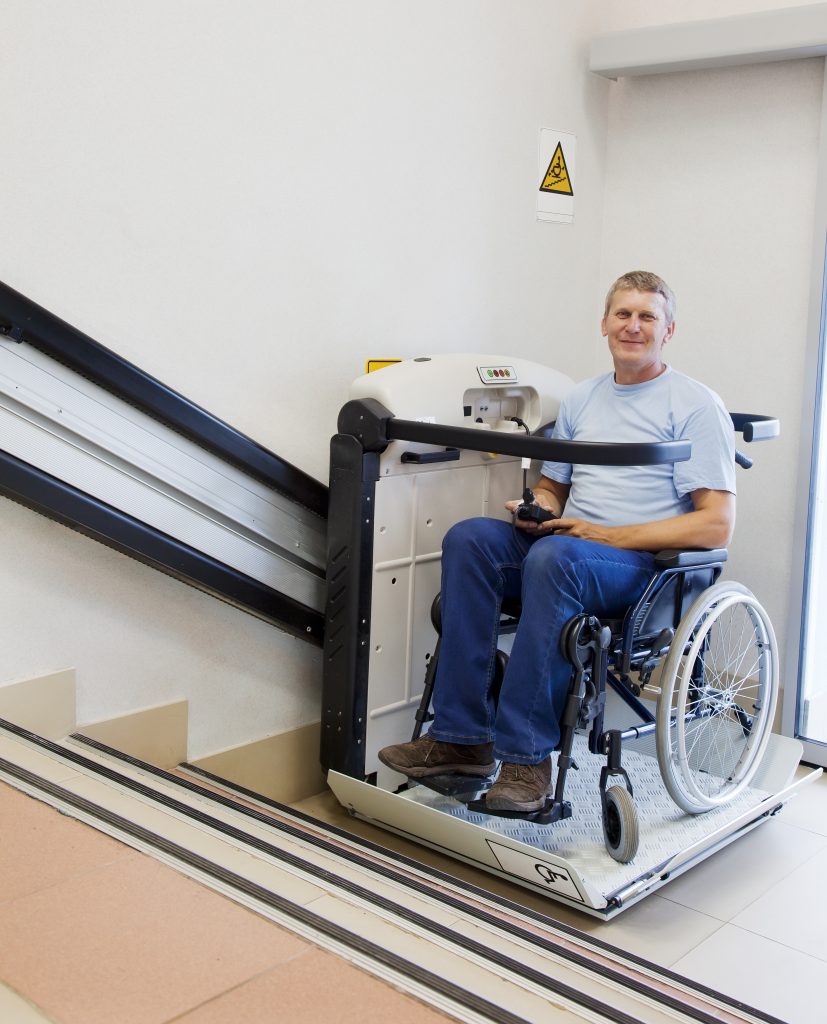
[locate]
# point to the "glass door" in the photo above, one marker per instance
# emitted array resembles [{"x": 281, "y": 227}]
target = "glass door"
[{"x": 805, "y": 711}]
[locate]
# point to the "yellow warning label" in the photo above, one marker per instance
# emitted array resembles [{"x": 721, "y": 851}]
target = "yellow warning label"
[
  {"x": 378, "y": 364},
  {"x": 557, "y": 176}
]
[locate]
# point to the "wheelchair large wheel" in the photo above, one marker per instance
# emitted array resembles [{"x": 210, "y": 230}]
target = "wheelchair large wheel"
[{"x": 718, "y": 694}]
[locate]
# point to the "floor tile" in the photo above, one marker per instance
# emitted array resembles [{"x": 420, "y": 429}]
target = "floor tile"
[
  {"x": 736, "y": 876},
  {"x": 761, "y": 973},
  {"x": 133, "y": 942},
  {"x": 40, "y": 848},
  {"x": 808, "y": 810},
  {"x": 794, "y": 911},
  {"x": 658, "y": 930},
  {"x": 340, "y": 992}
]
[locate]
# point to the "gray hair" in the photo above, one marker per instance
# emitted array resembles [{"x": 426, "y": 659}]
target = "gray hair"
[{"x": 643, "y": 281}]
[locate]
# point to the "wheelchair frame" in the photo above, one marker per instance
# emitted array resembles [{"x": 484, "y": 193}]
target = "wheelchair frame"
[{"x": 604, "y": 652}]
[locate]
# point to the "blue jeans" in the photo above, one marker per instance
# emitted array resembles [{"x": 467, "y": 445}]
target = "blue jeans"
[{"x": 557, "y": 577}]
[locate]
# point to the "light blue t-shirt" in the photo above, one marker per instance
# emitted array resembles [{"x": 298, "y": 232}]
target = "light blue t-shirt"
[{"x": 672, "y": 407}]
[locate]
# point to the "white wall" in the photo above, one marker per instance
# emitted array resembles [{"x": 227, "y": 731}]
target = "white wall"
[
  {"x": 711, "y": 182},
  {"x": 247, "y": 201}
]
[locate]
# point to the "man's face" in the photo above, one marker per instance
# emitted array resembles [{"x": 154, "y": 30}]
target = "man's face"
[{"x": 637, "y": 329}]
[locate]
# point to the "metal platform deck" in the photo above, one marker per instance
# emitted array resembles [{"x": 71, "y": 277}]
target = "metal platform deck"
[{"x": 567, "y": 861}]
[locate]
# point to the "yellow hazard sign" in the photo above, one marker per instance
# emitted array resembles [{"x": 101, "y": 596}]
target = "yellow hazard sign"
[{"x": 557, "y": 176}]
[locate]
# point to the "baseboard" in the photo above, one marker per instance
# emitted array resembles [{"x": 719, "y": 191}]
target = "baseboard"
[
  {"x": 283, "y": 767},
  {"x": 44, "y": 704},
  {"x": 157, "y": 735}
]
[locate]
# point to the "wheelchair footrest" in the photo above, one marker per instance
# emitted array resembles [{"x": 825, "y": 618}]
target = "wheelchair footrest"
[
  {"x": 461, "y": 787},
  {"x": 553, "y": 810}
]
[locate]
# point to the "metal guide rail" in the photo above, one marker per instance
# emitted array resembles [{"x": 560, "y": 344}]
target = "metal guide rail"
[{"x": 94, "y": 442}]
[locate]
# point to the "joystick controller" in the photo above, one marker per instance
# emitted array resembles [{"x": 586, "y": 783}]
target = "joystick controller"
[{"x": 534, "y": 513}]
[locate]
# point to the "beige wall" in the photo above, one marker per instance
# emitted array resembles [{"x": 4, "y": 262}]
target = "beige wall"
[{"x": 247, "y": 201}]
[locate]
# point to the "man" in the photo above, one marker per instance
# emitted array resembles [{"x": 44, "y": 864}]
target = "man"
[{"x": 597, "y": 557}]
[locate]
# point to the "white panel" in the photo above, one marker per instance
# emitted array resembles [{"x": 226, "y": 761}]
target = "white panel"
[
  {"x": 440, "y": 389},
  {"x": 423, "y": 634},
  {"x": 444, "y": 498},
  {"x": 389, "y": 638},
  {"x": 393, "y": 513},
  {"x": 793, "y": 33}
]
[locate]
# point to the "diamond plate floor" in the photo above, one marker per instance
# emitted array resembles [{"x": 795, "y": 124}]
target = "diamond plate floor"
[{"x": 664, "y": 828}]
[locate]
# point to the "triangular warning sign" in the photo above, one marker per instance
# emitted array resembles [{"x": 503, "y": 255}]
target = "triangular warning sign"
[{"x": 557, "y": 176}]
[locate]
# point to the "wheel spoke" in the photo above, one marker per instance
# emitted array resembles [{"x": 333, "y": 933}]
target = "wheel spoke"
[{"x": 719, "y": 690}]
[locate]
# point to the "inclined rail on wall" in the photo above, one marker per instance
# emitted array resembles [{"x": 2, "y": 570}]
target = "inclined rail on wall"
[{"x": 92, "y": 441}]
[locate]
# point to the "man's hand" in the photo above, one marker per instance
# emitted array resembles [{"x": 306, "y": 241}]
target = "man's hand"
[
  {"x": 545, "y": 501},
  {"x": 585, "y": 530}
]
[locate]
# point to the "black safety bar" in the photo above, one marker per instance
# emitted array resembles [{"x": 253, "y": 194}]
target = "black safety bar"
[
  {"x": 51, "y": 497},
  {"x": 375, "y": 427}
]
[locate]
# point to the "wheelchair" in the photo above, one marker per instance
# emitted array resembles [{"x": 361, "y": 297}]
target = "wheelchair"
[{"x": 703, "y": 648}]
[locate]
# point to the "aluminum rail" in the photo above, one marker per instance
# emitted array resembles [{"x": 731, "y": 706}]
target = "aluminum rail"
[
  {"x": 90, "y": 440},
  {"x": 22, "y": 319}
]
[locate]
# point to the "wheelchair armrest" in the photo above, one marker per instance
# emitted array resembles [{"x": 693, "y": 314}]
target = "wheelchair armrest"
[{"x": 679, "y": 559}]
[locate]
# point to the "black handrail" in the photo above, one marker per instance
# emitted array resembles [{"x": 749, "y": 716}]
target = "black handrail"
[
  {"x": 51, "y": 497},
  {"x": 21, "y": 319}
]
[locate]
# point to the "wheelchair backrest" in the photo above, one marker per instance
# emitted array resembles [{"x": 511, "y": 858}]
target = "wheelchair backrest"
[{"x": 671, "y": 591}]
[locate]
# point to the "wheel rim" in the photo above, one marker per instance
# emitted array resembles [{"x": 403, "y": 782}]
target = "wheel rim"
[
  {"x": 714, "y": 752},
  {"x": 613, "y": 827}
]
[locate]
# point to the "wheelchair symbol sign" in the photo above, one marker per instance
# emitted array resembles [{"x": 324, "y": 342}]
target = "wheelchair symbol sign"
[
  {"x": 556, "y": 178},
  {"x": 546, "y": 874},
  {"x": 556, "y": 172},
  {"x": 550, "y": 876}
]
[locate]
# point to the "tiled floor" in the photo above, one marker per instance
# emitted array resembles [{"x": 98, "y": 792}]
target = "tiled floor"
[{"x": 92, "y": 931}]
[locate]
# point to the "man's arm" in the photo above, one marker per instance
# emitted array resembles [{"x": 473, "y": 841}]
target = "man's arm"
[{"x": 709, "y": 525}]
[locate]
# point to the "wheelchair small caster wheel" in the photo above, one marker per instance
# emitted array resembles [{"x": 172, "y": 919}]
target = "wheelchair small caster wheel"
[{"x": 620, "y": 825}]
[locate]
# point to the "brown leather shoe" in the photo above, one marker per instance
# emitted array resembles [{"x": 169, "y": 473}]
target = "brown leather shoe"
[
  {"x": 520, "y": 787},
  {"x": 425, "y": 756}
]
